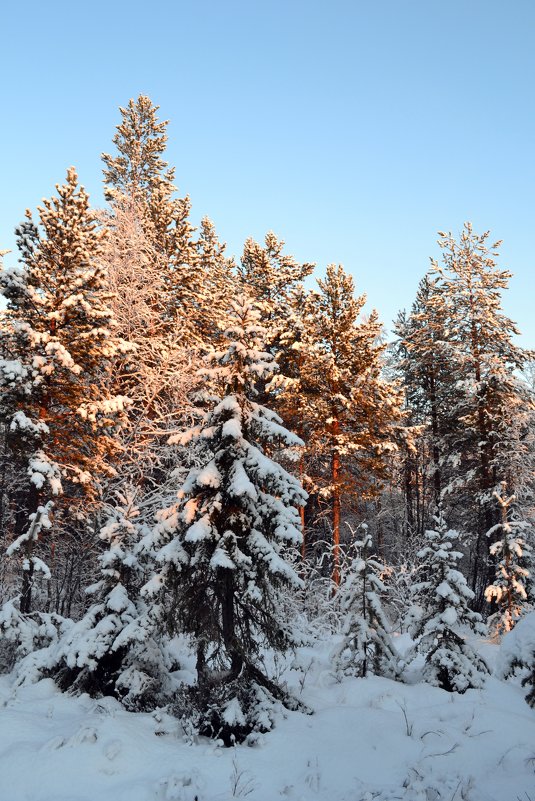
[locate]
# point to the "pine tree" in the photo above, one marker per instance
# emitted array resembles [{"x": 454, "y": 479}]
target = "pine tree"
[
  {"x": 272, "y": 277},
  {"x": 169, "y": 292},
  {"x": 509, "y": 589},
  {"x": 274, "y": 280},
  {"x": 58, "y": 344},
  {"x": 450, "y": 662},
  {"x": 221, "y": 549},
  {"x": 367, "y": 646},
  {"x": 350, "y": 413}
]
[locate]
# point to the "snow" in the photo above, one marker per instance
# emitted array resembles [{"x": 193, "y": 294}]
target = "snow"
[
  {"x": 369, "y": 739},
  {"x": 221, "y": 559},
  {"x": 449, "y": 616},
  {"x": 209, "y": 476},
  {"x": 518, "y": 645}
]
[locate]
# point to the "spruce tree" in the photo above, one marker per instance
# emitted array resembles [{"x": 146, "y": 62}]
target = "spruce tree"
[
  {"x": 367, "y": 646},
  {"x": 116, "y": 648},
  {"x": 221, "y": 551},
  {"x": 460, "y": 368},
  {"x": 423, "y": 364},
  {"x": 517, "y": 655},
  {"x": 509, "y": 591},
  {"x": 440, "y": 631},
  {"x": 484, "y": 421}
]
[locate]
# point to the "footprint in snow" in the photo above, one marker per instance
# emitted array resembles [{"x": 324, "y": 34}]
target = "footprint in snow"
[
  {"x": 113, "y": 749},
  {"x": 85, "y": 735}
]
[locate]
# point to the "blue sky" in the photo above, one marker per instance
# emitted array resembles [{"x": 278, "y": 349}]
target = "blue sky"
[{"x": 354, "y": 130}]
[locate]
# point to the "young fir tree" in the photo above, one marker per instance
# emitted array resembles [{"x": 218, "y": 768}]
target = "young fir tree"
[
  {"x": 113, "y": 649},
  {"x": 514, "y": 555},
  {"x": 517, "y": 655},
  {"x": 367, "y": 646},
  {"x": 221, "y": 550},
  {"x": 350, "y": 413},
  {"x": 440, "y": 631},
  {"x": 59, "y": 344}
]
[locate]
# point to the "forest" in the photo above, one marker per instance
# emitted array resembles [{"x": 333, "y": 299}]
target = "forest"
[{"x": 216, "y": 459}]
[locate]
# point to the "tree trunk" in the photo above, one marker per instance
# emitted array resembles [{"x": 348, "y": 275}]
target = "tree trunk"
[
  {"x": 228, "y": 624},
  {"x": 335, "y": 476},
  {"x": 29, "y": 545}
]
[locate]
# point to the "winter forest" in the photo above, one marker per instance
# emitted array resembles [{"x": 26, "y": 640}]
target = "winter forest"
[{"x": 227, "y": 495}]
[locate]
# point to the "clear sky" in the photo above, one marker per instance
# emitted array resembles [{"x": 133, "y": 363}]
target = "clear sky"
[{"x": 354, "y": 130}]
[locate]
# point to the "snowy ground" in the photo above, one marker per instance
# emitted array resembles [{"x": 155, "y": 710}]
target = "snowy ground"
[{"x": 368, "y": 739}]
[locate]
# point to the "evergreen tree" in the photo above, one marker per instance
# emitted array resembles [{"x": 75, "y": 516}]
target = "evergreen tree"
[
  {"x": 59, "y": 343},
  {"x": 217, "y": 282},
  {"x": 483, "y": 435},
  {"x": 459, "y": 365},
  {"x": 350, "y": 413},
  {"x": 517, "y": 655},
  {"x": 440, "y": 631},
  {"x": 272, "y": 278},
  {"x": 509, "y": 589},
  {"x": 367, "y": 646},
  {"x": 115, "y": 648},
  {"x": 275, "y": 280},
  {"x": 169, "y": 293},
  {"x": 221, "y": 549},
  {"x": 422, "y": 361}
]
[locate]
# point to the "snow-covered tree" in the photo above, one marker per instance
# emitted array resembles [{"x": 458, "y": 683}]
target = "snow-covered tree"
[
  {"x": 168, "y": 289},
  {"x": 485, "y": 436},
  {"x": 113, "y": 649},
  {"x": 513, "y": 554},
  {"x": 216, "y": 282},
  {"x": 423, "y": 364},
  {"x": 440, "y": 630},
  {"x": 221, "y": 550},
  {"x": 158, "y": 375},
  {"x": 460, "y": 366},
  {"x": 350, "y": 413},
  {"x": 138, "y": 172},
  {"x": 367, "y": 646},
  {"x": 271, "y": 277},
  {"x": 517, "y": 655},
  {"x": 59, "y": 343}
]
